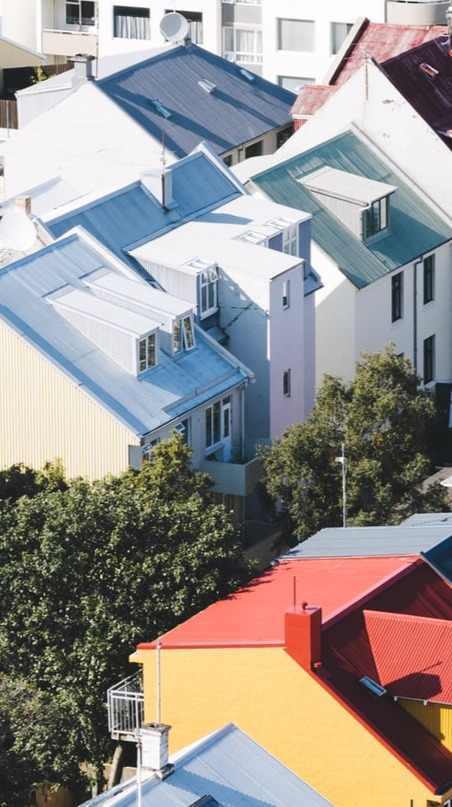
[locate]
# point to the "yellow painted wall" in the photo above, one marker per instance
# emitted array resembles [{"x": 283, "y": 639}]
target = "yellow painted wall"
[
  {"x": 266, "y": 694},
  {"x": 435, "y": 717},
  {"x": 45, "y": 416}
]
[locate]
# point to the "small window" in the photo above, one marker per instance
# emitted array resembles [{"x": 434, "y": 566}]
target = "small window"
[
  {"x": 183, "y": 336},
  {"x": 80, "y": 12},
  {"x": 339, "y": 32},
  {"x": 218, "y": 421},
  {"x": 397, "y": 297},
  {"x": 429, "y": 359},
  {"x": 147, "y": 352},
  {"x": 286, "y": 383},
  {"x": 209, "y": 290},
  {"x": 242, "y": 45},
  {"x": 286, "y": 294},
  {"x": 228, "y": 160},
  {"x": 131, "y": 22},
  {"x": 376, "y": 217},
  {"x": 290, "y": 240},
  {"x": 429, "y": 279},
  {"x": 296, "y": 35},
  {"x": 254, "y": 149},
  {"x": 294, "y": 83}
]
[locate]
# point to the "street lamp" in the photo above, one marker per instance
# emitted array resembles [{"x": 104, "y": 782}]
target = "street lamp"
[{"x": 343, "y": 462}]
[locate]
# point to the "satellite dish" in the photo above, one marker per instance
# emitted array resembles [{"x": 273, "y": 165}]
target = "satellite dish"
[
  {"x": 17, "y": 231},
  {"x": 174, "y": 27}
]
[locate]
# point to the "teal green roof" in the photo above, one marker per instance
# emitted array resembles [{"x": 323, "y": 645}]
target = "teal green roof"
[{"x": 414, "y": 229}]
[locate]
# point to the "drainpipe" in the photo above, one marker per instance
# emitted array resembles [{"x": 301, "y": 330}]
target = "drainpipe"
[{"x": 417, "y": 263}]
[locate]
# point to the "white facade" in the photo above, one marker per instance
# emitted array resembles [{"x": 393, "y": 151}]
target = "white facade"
[{"x": 286, "y": 42}]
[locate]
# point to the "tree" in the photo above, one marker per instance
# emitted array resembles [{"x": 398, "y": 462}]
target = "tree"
[
  {"x": 88, "y": 570},
  {"x": 385, "y": 421}
]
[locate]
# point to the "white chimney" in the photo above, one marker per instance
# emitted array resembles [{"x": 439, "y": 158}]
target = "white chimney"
[
  {"x": 160, "y": 183},
  {"x": 155, "y": 748},
  {"x": 83, "y": 68},
  {"x": 23, "y": 203}
]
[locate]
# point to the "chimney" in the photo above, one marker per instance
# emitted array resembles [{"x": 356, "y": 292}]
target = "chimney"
[
  {"x": 303, "y": 635},
  {"x": 155, "y": 749},
  {"x": 83, "y": 68},
  {"x": 160, "y": 183},
  {"x": 23, "y": 203}
]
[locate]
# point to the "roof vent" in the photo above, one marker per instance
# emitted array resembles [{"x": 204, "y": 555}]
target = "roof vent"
[
  {"x": 162, "y": 110},
  {"x": 246, "y": 74},
  {"x": 428, "y": 70},
  {"x": 372, "y": 686},
  {"x": 207, "y": 85}
]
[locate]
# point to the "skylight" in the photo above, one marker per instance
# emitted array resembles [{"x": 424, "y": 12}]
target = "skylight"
[
  {"x": 207, "y": 85},
  {"x": 246, "y": 74},
  {"x": 162, "y": 110}
]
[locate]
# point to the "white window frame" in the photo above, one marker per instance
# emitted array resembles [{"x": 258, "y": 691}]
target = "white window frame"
[
  {"x": 208, "y": 292},
  {"x": 231, "y": 49},
  {"x": 126, "y": 26},
  {"x": 183, "y": 334},
  {"x": 81, "y": 19},
  {"x": 338, "y": 30},
  {"x": 287, "y": 30},
  {"x": 215, "y": 431},
  {"x": 286, "y": 294},
  {"x": 290, "y": 240},
  {"x": 147, "y": 352}
]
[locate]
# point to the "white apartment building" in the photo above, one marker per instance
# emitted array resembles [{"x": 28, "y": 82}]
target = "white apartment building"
[{"x": 288, "y": 42}]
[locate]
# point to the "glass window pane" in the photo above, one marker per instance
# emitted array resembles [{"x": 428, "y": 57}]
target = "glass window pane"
[
  {"x": 177, "y": 336},
  {"x": 188, "y": 333},
  {"x": 216, "y": 422}
]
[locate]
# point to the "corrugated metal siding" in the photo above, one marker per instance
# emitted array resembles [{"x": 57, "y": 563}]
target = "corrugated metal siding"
[
  {"x": 437, "y": 719},
  {"x": 46, "y": 416},
  {"x": 346, "y": 211},
  {"x": 120, "y": 346},
  {"x": 415, "y": 229},
  {"x": 404, "y": 539},
  {"x": 174, "y": 280}
]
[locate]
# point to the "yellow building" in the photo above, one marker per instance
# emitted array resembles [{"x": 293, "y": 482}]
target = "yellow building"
[{"x": 309, "y": 690}]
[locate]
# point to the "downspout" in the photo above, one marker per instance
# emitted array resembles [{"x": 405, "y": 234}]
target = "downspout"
[{"x": 417, "y": 263}]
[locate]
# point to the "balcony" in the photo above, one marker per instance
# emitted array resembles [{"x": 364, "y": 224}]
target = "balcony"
[
  {"x": 69, "y": 42},
  {"x": 237, "y": 479},
  {"x": 126, "y": 708}
]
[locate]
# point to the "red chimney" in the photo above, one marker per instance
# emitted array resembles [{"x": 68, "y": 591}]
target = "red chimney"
[{"x": 303, "y": 635}]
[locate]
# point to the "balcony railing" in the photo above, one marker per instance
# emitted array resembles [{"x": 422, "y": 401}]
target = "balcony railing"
[
  {"x": 126, "y": 708},
  {"x": 69, "y": 42}
]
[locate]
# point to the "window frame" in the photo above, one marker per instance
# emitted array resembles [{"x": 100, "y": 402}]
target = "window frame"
[
  {"x": 286, "y": 294},
  {"x": 429, "y": 359},
  {"x": 376, "y": 217},
  {"x": 292, "y": 24},
  {"x": 397, "y": 297},
  {"x": 130, "y": 11},
  {"x": 89, "y": 19},
  {"x": 183, "y": 334},
  {"x": 334, "y": 47},
  {"x": 290, "y": 240},
  {"x": 286, "y": 383},
  {"x": 216, "y": 428},
  {"x": 429, "y": 278},
  {"x": 208, "y": 292},
  {"x": 243, "y": 56},
  {"x": 150, "y": 359}
]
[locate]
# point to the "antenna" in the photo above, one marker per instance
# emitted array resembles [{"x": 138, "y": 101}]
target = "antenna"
[
  {"x": 17, "y": 231},
  {"x": 174, "y": 27},
  {"x": 159, "y": 685}
]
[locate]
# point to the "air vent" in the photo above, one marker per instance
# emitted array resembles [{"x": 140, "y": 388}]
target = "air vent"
[
  {"x": 162, "y": 110},
  {"x": 207, "y": 85},
  {"x": 246, "y": 74},
  {"x": 372, "y": 686}
]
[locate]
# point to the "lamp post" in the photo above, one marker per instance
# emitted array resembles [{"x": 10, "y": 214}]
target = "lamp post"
[{"x": 343, "y": 462}]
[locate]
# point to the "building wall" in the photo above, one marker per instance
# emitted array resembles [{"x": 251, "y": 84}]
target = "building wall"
[
  {"x": 436, "y": 717},
  {"x": 46, "y": 416},
  {"x": 266, "y": 694}
]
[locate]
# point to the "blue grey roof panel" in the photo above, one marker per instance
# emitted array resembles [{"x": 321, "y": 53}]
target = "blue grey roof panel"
[
  {"x": 337, "y": 542},
  {"x": 235, "y": 112},
  {"x": 141, "y": 404},
  {"x": 414, "y": 227},
  {"x": 230, "y": 768},
  {"x": 440, "y": 558},
  {"x": 132, "y": 214}
]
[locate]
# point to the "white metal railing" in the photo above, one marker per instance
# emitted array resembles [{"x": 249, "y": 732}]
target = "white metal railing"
[{"x": 126, "y": 707}]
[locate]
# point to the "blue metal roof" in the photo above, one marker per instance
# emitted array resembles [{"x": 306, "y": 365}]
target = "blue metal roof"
[
  {"x": 414, "y": 227},
  {"x": 132, "y": 215},
  {"x": 229, "y": 767},
  {"x": 236, "y": 111},
  {"x": 141, "y": 404},
  {"x": 355, "y": 542}
]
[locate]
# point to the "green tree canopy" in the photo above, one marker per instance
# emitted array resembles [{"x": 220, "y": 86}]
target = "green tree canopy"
[
  {"x": 384, "y": 421},
  {"x": 87, "y": 571}
]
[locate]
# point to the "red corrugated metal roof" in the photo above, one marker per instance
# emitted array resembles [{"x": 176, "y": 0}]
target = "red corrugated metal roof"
[
  {"x": 376, "y": 40},
  {"x": 347, "y": 657},
  {"x": 412, "y": 655},
  {"x": 254, "y": 616}
]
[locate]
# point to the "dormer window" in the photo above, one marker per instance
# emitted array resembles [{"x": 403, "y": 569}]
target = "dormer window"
[
  {"x": 147, "y": 352},
  {"x": 183, "y": 335},
  {"x": 209, "y": 289},
  {"x": 376, "y": 217},
  {"x": 252, "y": 237}
]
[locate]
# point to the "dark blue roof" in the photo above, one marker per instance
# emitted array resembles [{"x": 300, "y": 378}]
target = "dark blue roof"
[
  {"x": 236, "y": 111},
  {"x": 423, "y": 75}
]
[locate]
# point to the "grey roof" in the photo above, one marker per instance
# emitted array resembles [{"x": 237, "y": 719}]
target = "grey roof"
[
  {"x": 131, "y": 215},
  {"x": 404, "y": 539},
  {"x": 236, "y": 111},
  {"x": 414, "y": 227},
  {"x": 229, "y": 767},
  {"x": 174, "y": 387},
  {"x": 429, "y": 519}
]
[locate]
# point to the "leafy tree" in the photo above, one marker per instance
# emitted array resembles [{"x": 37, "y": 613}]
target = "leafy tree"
[
  {"x": 86, "y": 571},
  {"x": 385, "y": 422}
]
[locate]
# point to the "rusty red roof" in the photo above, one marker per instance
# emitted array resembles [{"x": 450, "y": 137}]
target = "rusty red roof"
[
  {"x": 379, "y": 41},
  {"x": 412, "y": 655}
]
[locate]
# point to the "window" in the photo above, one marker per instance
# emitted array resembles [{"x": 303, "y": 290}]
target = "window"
[
  {"x": 294, "y": 83},
  {"x": 183, "y": 337},
  {"x": 218, "y": 422},
  {"x": 209, "y": 288},
  {"x": 429, "y": 359},
  {"x": 297, "y": 35},
  {"x": 283, "y": 135},
  {"x": 242, "y": 44},
  {"x": 131, "y": 22},
  {"x": 286, "y": 294},
  {"x": 286, "y": 383},
  {"x": 397, "y": 297},
  {"x": 254, "y": 150},
  {"x": 429, "y": 279},
  {"x": 339, "y": 32},
  {"x": 183, "y": 428},
  {"x": 290, "y": 240},
  {"x": 376, "y": 217},
  {"x": 228, "y": 160},
  {"x": 147, "y": 352},
  {"x": 80, "y": 12}
]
